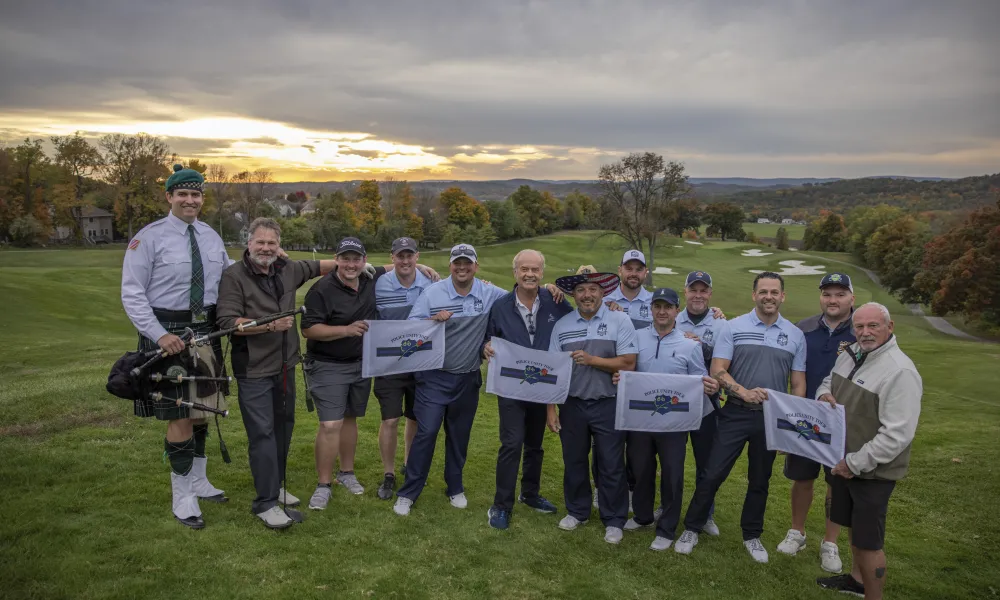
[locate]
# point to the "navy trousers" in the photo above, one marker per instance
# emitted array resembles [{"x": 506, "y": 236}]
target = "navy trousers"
[
  {"x": 642, "y": 450},
  {"x": 522, "y": 429},
  {"x": 586, "y": 422},
  {"x": 738, "y": 426},
  {"x": 447, "y": 399},
  {"x": 701, "y": 446}
]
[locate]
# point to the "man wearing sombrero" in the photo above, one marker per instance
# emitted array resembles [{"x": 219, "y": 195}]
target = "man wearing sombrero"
[{"x": 602, "y": 342}]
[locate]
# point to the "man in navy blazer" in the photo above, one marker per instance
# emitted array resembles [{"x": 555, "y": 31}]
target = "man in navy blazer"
[{"x": 524, "y": 317}]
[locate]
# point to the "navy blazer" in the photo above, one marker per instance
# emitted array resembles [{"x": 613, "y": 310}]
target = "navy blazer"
[{"x": 506, "y": 322}]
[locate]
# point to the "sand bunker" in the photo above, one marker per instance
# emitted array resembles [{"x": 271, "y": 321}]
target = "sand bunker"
[
  {"x": 756, "y": 252},
  {"x": 798, "y": 267},
  {"x": 663, "y": 271},
  {"x": 695, "y": 243}
]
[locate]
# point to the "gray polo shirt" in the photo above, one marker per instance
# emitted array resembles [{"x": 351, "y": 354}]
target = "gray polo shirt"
[{"x": 606, "y": 335}]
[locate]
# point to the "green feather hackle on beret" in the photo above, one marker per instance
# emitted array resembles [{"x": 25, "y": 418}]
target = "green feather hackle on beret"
[{"x": 184, "y": 179}]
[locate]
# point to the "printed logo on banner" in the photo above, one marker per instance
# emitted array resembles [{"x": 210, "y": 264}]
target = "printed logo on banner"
[
  {"x": 531, "y": 373},
  {"x": 783, "y": 339},
  {"x": 602, "y": 329},
  {"x": 409, "y": 344},
  {"x": 801, "y": 424},
  {"x": 664, "y": 401}
]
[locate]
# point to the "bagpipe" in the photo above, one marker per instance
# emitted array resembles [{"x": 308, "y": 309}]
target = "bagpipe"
[{"x": 183, "y": 379}]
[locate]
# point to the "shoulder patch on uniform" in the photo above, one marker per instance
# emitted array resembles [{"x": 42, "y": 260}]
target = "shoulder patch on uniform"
[{"x": 133, "y": 244}]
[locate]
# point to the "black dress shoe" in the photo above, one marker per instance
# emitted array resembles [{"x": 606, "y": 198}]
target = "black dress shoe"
[
  {"x": 218, "y": 498},
  {"x": 192, "y": 522}
]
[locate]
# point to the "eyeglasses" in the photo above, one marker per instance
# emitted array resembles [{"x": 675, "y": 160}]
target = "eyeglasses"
[{"x": 531, "y": 324}]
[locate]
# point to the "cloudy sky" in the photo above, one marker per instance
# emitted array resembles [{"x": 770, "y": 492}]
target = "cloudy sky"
[{"x": 456, "y": 89}]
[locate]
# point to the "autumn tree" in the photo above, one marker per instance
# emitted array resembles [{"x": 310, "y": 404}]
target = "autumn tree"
[
  {"x": 781, "y": 239},
  {"x": 725, "y": 220},
  {"x": 638, "y": 189},
  {"x": 369, "y": 202},
  {"x": 862, "y": 222},
  {"x": 462, "y": 209},
  {"x": 29, "y": 160},
  {"x": 136, "y": 166},
  {"x": 333, "y": 220},
  {"x": 826, "y": 234},
  {"x": 682, "y": 214},
  {"x": 896, "y": 251}
]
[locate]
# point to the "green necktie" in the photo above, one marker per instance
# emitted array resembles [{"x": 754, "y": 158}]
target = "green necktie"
[{"x": 197, "y": 279}]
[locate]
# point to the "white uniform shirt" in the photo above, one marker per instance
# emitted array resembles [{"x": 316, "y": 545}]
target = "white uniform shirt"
[{"x": 157, "y": 271}]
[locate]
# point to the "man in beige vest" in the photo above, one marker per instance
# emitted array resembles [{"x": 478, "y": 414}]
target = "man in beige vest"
[{"x": 880, "y": 390}]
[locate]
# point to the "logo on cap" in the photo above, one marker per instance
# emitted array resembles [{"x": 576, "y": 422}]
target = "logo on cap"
[{"x": 835, "y": 277}]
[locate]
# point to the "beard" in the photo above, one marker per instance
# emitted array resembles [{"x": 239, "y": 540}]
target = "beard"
[{"x": 263, "y": 260}]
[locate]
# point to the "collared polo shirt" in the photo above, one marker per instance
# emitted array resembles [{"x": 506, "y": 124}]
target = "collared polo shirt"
[
  {"x": 330, "y": 302},
  {"x": 606, "y": 335},
  {"x": 707, "y": 331},
  {"x": 672, "y": 354},
  {"x": 639, "y": 309},
  {"x": 393, "y": 300},
  {"x": 761, "y": 355}
]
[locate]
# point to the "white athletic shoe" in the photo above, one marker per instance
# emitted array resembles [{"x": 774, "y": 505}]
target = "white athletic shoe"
[
  {"x": 612, "y": 535},
  {"x": 459, "y": 500},
  {"x": 686, "y": 543},
  {"x": 756, "y": 550},
  {"x": 711, "y": 528},
  {"x": 793, "y": 542},
  {"x": 320, "y": 498},
  {"x": 350, "y": 482},
  {"x": 275, "y": 518},
  {"x": 402, "y": 506},
  {"x": 287, "y": 499},
  {"x": 660, "y": 544},
  {"x": 569, "y": 523},
  {"x": 829, "y": 557},
  {"x": 632, "y": 525}
]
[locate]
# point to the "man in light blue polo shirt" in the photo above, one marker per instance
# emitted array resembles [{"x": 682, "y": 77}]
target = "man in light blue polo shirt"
[
  {"x": 754, "y": 352},
  {"x": 703, "y": 322},
  {"x": 663, "y": 348},
  {"x": 630, "y": 295},
  {"x": 395, "y": 294},
  {"x": 602, "y": 342}
]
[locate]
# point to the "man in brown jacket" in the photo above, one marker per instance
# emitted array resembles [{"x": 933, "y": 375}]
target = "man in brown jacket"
[
  {"x": 880, "y": 390},
  {"x": 264, "y": 358}
]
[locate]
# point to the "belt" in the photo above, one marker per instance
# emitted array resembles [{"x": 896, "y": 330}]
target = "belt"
[
  {"x": 743, "y": 403},
  {"x": 183, "y": 316}
]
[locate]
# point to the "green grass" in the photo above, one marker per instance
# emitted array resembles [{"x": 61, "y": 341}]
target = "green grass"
[
  {"x": 770, "y": 230},
  {"x": 86, "y": 513}
]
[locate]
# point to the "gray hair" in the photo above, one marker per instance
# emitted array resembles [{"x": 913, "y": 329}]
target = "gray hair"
[
  {"x": 881, "y": 308},
  {"x": 266, "y": 223},
  {"x": 518, "y": 257}
]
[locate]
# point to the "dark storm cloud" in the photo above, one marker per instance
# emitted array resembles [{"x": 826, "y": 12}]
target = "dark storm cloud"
[{"x": 700, "y": 78}]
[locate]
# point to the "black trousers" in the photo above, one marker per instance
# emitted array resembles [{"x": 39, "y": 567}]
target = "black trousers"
[
  {"x": 738, "y": 426},
  {"x": 269, "y": 420},
  {"x": 522, "y": 428},
  {"x": 444, "y": 399},
  {"x": 701, "y": 446},
  {"x": 642, "y": 451},
  {"x": 593, "y": 421}
]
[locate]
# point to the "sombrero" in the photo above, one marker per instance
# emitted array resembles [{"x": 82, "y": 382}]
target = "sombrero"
[{"x": 607, "y": 281}]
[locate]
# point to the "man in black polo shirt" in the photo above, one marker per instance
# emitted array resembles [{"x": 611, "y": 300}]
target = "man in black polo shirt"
[{"x": 337, "y": 307}]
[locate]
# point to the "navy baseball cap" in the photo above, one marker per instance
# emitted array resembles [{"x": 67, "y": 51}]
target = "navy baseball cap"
[
  {"x": 351, "y": 244},
  {"x": 840, "y": 279},
  {"x": 463, "y": 251},
  {"x": 404, "y": 243},
  {"x": 666, "y": 295},
  {"x": 701, "y": 276}
]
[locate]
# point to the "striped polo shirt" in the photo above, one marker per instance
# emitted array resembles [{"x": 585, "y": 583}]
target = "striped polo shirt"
[
  {"x": 707, "y": 331},
  {"x": 392, "y": 300},
  {"x": 762, "y": 356},
  {"x": 606, "y": 335},
  {"x": 639, "y": 309},
  {"x": 465, "y": 331}
]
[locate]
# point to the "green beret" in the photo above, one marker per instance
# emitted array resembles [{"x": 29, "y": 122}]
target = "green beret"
[{"x": 185, "y": 179}]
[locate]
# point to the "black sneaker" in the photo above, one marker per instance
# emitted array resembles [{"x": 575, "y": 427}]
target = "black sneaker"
[
  {"x": 842, "y": 583},
  {"x": 388, "y": 488}
]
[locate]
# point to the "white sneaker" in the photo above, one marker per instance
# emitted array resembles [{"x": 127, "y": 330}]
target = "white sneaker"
[
  {"x": 569, "y": 523},
  {"x": 402, "y": 506},
  {"x": 660, "y": 544},
  {"x": 275, "y": 518},
  {"x": 829, "y": 557},
  {"x": 632, "y": 525},
  {"x": 793, "y": 542},
  {"x": 711, "y": 528},
  {"x": 287, "y": 499},
  {"x": 320, "y": 498},
  {"x": 459, "y": 500},
  {"x": 756, "y": 550},
  {"x": 612, "y": 535},
  {"x": 350, "y": 482},
  {"x": 686, "y": 543},
  {"x": 596, "y": 506}
]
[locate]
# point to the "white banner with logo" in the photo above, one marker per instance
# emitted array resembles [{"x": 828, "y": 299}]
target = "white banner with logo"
[
  {"x": 520, "y": 373},
  {"x": 393, "y": 347},
  {"x": 657, "y": 402},
  {"x": 805, "y": 427}
]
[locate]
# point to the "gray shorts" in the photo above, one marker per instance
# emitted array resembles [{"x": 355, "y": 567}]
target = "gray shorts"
[{"x": 338, "y": 389}]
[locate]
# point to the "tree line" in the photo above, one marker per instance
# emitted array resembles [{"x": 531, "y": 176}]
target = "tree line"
[{"x": 951, "y": 265}]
